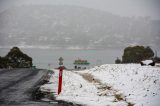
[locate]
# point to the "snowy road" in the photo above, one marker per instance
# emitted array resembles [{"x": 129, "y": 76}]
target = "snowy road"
[{"x": 16, "y": 86}]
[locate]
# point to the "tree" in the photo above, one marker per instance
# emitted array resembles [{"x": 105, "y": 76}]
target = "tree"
[
  {"x": 148, "y": 52},
  {"x": 3, "y": 62},
  {"x": 136, "y": 54},
  {"x": 17, "y": 59},
  {"x": 156, "y": 59},
  {"x": 117, "y": 61}
]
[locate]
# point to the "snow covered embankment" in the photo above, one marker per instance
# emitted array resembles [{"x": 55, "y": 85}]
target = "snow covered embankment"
[
  {"x": 113, "y": 85},
  {"x": 140, "y": 84},
  {"x": 78, "y": 90}
]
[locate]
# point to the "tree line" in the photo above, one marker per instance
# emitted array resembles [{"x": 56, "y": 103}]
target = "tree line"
[{"x": 136, "y": 54}]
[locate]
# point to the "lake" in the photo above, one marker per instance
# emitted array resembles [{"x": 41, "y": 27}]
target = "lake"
[{"x": 43, "y": 57}]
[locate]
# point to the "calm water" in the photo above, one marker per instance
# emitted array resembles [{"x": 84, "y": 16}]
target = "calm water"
[{"x": 41, "y": 58}]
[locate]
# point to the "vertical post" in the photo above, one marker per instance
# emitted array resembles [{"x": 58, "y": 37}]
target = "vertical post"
[
  {"x": 60, "y": 80},
  {"x": 60, "y": 75}
]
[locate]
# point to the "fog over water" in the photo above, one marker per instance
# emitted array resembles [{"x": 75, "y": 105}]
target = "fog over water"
[{"x": 95, "y": 30}]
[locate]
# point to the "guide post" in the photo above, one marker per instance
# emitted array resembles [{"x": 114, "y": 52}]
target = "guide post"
[{"x": 60, "y": 75}]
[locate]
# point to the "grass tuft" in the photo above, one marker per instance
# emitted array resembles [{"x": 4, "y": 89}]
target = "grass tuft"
[
  {"x": 130, "y": 104},
  {"x": 119, "y": 97}
]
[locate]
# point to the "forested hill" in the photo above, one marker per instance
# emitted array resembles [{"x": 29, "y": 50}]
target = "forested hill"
[{"x": 74, "y": 27}]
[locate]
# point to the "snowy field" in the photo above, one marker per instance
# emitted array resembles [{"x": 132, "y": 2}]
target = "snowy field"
[{"x": 109, "y": 85}]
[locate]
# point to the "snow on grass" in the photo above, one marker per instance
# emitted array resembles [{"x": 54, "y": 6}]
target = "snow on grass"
[
  {"x": 78, "y": 90},
  {"x": 110, "y": 84},
  {"x": 140, "y": 84}
]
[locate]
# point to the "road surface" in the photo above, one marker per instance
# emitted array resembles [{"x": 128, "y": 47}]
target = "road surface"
[{"x": 16, "y": 87}]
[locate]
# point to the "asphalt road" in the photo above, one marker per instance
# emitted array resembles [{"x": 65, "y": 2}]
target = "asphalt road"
[{"x": 16, "y": 87}]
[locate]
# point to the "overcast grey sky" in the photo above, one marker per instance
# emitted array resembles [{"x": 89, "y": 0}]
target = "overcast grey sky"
[{"x": 121, "y": 7}]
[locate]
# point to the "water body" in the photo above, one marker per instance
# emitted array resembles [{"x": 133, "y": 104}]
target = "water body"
[{"x": 43, "y": 57}]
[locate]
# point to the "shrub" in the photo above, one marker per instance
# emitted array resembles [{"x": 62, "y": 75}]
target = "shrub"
[
  {"x": 16, "y": 59},
  {"x": 136, "y": 54}
]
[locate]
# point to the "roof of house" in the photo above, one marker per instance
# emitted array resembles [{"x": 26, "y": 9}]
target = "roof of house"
[{"x": 81, "y": 62}]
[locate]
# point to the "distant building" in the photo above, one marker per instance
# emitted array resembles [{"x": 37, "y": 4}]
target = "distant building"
[{"x": 81, "y": 64}]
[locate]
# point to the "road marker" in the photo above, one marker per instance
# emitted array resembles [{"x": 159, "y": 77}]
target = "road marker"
[{"x": 60, "y": 75}]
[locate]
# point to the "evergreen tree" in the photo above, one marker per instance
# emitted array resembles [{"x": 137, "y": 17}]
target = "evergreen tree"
[
  {"x": 136, "y": 54},
  {"x": 15, "y": 59}
]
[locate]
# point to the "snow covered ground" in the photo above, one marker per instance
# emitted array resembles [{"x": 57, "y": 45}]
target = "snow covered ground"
[{"x": 110, "y": 85}]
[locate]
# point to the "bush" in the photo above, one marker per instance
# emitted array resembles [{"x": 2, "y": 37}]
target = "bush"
[
  {"x": 3, "y": 62},
  {"x": 136, "y": 54},
  {"x": 16, "y": 59},
  {"x": 117, "y": 61},
  {"x": 156, "y": 59}
]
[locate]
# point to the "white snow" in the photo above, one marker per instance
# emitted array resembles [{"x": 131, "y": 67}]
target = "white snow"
[
  {"x": 147, "y": 62},
  {"x": 140, "y": 85},
  {"x": 137, "y": 84}
]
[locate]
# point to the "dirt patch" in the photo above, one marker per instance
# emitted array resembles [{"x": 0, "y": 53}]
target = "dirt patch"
[
  {"x": 119, "y": 97},
  {"x": 90, "y": 78},
  {"x": 100, "y": 86},
  {"x": 105, "y": 90},
  {"x": 130, "y": 104}
]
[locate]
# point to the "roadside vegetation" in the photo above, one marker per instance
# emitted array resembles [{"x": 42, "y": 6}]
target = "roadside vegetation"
[
  {"x": 15, "y": 59},
  {"x": 136, "y": 54}
]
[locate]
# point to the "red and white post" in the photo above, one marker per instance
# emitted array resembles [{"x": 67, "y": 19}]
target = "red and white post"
[
  {"x": 60, "y": 75},
  {"x": 60, "y": 80}
]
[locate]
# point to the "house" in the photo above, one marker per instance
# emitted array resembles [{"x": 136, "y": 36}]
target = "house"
[{"x": 81, "y": 64}]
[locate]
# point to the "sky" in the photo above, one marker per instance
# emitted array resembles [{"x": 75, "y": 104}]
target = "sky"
[{"x": 119, "y": 7}]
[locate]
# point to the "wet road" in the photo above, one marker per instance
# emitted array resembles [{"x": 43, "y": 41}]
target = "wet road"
[{"x": 16, "y": 87}]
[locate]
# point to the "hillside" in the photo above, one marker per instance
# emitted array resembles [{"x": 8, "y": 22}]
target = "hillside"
[{"x": 72, "y": 27}]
